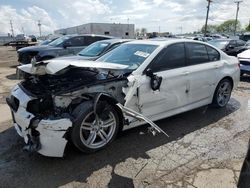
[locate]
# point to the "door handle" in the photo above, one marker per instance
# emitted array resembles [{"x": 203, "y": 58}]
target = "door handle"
[{"x": 185, "y": 73}]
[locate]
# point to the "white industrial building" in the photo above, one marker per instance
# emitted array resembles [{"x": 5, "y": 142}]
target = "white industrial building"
[{"x": 112, "y": 29}]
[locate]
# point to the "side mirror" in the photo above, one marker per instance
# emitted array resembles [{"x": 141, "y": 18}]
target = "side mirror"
[
  {"x": 155, "y": 81},
  {"x": 230, "y": 47},
  {"x": 149, "y": 73}
]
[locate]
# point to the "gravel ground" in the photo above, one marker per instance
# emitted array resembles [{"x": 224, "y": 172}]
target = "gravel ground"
[{"x": 206, "y": 148}]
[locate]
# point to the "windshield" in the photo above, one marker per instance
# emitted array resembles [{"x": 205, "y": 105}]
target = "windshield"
[
  {"x": 94, "y": 49},
  {"x": 58, "y": 41},
  {"x": 132, "y": 55},
  {"x": 221, "y": 44}
]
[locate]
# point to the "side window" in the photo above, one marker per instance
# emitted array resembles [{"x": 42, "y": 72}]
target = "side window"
[
  {"x": 232, "y": 43},
  {"x": 76, "y": 41},
  {"x": 213, "y": 54},
  {"x": 169, "y": 58},
  {"x": 89, "y": 40},
  {"x": 196, "y": 53}
]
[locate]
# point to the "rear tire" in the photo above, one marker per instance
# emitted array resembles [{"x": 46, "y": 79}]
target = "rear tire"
[
  {"x": 89, "y": 133},
  {"x": 222, "y": 93}
]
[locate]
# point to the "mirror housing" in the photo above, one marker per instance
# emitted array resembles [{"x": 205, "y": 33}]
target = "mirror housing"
[
  {"x": 230, "y": 47},
  {"x": 149, "y": 73},
  {"x": 155, "y": 81}
]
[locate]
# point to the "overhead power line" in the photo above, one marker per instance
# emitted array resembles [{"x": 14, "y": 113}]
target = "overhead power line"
[
  {"x": 208, "y": 7},
  {"x": 237, "y": 11}
]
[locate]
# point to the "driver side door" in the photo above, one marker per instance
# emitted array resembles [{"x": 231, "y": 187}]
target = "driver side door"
[{"x": 172, "y": 94}]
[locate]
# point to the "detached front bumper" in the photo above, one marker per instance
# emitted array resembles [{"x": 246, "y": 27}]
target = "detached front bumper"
[{"x": 46, "y": 136}]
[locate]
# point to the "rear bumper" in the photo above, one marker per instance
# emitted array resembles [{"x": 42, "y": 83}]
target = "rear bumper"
[{"x": 46, "y": 136}]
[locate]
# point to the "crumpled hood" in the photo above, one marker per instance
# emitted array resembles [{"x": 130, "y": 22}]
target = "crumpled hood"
[
  {"x": 245, "y": 54},
  {"x": 53, "y": 66}
]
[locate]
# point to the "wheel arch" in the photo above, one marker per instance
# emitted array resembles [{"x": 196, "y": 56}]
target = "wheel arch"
[
  {"x": 111, "y": 100},
  {"x": 229, "y": 78}
]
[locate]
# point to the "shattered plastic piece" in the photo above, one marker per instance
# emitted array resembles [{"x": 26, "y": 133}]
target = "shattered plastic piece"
[{"x": 139, "y": 116}]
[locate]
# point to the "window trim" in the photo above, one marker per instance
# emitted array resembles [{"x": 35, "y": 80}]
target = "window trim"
[
  {"x": 188, "y": 65},
  {"x": 155, "y": 58}
]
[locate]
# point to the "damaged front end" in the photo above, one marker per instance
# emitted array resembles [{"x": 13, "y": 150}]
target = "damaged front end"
[{"x": 44, "y": 105}]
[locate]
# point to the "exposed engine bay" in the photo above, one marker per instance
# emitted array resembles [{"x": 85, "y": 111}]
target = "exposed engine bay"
[{"x": 57, "y": 94}]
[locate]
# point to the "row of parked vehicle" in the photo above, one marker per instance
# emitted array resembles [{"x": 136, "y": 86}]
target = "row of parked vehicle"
[{"x": 113, "y": 85}]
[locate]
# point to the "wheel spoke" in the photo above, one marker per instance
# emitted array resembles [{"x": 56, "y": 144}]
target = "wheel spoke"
[
  {"x": 107, "y": 123},
  {"x": 86, "y": 128},
  {"x": 103, "y": 135},
  {"x": 91, "y": 138}
]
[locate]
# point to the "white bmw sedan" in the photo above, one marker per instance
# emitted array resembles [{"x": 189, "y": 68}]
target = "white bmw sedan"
[{"x": 88, "y": 102}]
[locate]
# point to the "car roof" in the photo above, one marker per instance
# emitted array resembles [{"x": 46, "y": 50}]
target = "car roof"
[
  {"x": 115, "y": 40},
  {"x": 93, "y": 35},
  {"x": 164, "y": 42}
]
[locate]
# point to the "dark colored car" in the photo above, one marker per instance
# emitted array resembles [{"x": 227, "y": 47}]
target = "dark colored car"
[
  {"x": 229, "y": 46},
  {"x": 65, "y": 45},
  {"x": 97, "y": 49}
]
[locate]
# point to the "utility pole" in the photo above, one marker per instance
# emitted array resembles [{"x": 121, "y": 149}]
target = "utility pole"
[
  {"x": 11, "y": 28},
  {"x": 208, "y": 7},
  {"x": 39, "y": 25},
  {"x": 236, "y": 20}
]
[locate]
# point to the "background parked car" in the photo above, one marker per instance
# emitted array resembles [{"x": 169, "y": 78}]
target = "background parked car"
[
  {"x": 97, "y": 49},
  {"x": 229, "y": 46},
  {"x": 69, "y": 44},
  {"x": 247, "y": 45},
  {"x": 46, "y": 42},
  {"x": 244, "y": 59}
]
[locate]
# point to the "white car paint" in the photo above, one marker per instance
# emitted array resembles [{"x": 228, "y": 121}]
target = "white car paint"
[
  {"x": 244, "y": 56},
  {"x": 53, "y": 66},
  {"x": 199, "y": 80}
]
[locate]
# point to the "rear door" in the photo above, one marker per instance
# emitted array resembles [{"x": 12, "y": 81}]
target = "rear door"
[{"x": 203, "y": 65}]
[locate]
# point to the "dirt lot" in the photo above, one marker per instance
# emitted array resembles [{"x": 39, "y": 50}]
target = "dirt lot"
[{"x": 206, "y": 148}]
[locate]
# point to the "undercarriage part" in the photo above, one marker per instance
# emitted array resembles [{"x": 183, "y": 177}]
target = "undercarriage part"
[
  {"x": 139, "y": 116},
  {"x": 33, "y": 144}
]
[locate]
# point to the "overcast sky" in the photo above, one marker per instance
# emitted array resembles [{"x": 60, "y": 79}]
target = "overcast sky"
[{"x": 169, "y": 15}]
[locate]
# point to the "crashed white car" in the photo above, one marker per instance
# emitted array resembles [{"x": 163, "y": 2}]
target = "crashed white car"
[{"x": 89, "y": 102}]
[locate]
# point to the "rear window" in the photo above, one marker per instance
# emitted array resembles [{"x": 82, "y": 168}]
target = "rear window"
[
  {"x": 213, "y": 54},
  {"x": 196, "y": 53}
]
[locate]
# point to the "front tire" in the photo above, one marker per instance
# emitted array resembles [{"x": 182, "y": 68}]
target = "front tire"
[
  {"x": 91, "y": 133},
  {"x": 222, "y": 93}
]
